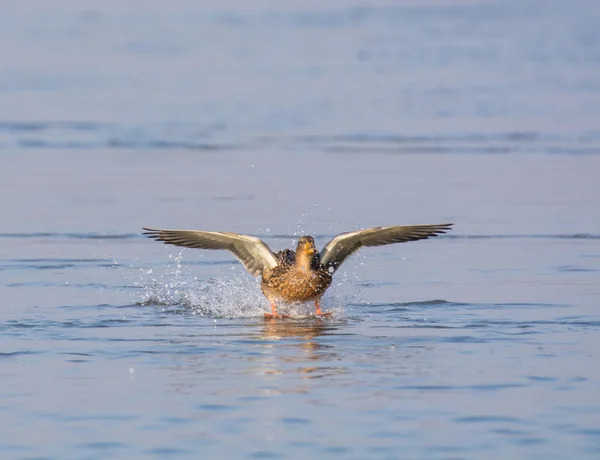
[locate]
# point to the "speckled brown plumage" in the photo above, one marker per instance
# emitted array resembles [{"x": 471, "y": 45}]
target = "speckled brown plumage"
[
  {"x": 298, "y": 277},
  {"x": 289, "y": 283}
]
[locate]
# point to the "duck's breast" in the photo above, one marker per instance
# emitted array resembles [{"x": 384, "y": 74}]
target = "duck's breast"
[{"x": 293, "y": 285}]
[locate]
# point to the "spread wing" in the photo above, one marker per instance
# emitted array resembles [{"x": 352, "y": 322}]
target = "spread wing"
[
  {"x": 251, "y": 251},
  {"x": 345, "y": 244}
]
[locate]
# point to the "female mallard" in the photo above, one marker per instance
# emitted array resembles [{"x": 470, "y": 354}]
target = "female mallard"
[{"x": 300, "y": 276}]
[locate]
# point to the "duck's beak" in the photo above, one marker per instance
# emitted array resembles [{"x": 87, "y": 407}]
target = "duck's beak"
[{"x": 310, "y": 249}]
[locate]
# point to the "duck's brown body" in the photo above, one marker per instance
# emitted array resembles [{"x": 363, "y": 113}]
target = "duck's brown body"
[
  {"x": 298, "y": 277},
  {"x": 290, "y": 283}
]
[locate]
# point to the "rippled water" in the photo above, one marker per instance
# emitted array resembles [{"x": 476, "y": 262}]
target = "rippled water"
[{"x": 278, "y": 120}]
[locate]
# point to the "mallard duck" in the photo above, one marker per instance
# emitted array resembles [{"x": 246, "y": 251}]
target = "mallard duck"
[{"x": 300, "y": 276}]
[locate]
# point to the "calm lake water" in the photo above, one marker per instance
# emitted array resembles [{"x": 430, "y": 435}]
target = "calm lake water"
[{"x": 279, "y": 119}]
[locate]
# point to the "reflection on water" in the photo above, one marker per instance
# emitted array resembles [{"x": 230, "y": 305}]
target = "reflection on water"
[
  {"x": 312, "y": 357},
  {"x": 307, "y": 330},
  {"x": 265, "y": 349}
]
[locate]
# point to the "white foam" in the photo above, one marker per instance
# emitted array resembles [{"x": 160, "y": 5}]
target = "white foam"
[{"x": 232, "y": 296}]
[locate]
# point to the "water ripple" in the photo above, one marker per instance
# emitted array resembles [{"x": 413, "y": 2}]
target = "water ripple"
[
  {"x": 214, "y": 137},
  {"x": 453, "y": 236}
]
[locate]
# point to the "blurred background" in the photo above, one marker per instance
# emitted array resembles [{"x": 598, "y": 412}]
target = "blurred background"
[
  {"x": 279, "y": 119},
  {"x": 285, "y": 105}
]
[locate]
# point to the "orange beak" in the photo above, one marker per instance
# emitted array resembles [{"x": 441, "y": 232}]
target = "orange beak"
[{"x": 309, "y": 249}]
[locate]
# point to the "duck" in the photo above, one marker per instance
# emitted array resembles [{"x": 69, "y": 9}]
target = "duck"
[{"x": 302, "y": 275}]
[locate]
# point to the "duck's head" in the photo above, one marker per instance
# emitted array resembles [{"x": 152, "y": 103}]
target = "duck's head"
[{"x": 306, "y": 246}]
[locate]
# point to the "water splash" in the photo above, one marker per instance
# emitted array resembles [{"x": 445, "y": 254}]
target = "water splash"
[
  {"x": 304, "y": 226},
  {"x": 230, "y": 297},
  {"x": 174, "y": 288}
]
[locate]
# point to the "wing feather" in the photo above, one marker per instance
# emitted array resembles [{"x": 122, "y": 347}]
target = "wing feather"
[
  {"x": 342, "y": 246},
  {"x": 251, "y": 251}
]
